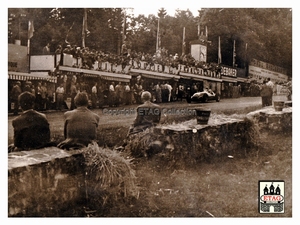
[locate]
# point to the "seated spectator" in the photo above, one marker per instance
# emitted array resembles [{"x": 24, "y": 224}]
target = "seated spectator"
[
  {"x": 31, "y": 128},
  {"x": 148, "y": 114},
  {"x": 81, "y": 124}
]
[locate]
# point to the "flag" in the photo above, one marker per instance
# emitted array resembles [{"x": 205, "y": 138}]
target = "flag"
[
  {"x": 30, "y": 34},
  {"x": 219, "y": 52},
  {"x": 183, "y": 41},
  {"x": 234, "y": 54},
  {"x": 30, "y": 29}
]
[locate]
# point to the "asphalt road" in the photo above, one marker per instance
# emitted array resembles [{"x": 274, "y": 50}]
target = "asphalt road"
[{"x": 123, "y": 116}]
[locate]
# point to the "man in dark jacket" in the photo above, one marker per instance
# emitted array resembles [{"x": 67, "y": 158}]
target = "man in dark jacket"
[
  {"x": 31, "y": 128},
  {"x": 81, "y": 124},
  {"x": 148, "y": 114}
]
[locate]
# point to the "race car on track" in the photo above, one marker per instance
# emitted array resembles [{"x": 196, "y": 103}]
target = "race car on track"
[{"x": 204, "y": 96}]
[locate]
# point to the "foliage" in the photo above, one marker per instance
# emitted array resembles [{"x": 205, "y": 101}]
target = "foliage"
[
  {"x": 109, "y": 176},
  {"x": 267, "y": 32}
]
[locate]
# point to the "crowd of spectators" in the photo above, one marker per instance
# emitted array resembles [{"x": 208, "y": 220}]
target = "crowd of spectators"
[{"x": 134, "y": 58}]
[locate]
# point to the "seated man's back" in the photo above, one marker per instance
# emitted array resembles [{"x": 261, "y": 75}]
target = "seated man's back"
[
  {"x": 81, "y": 124},
  {"x": 148, "y": 114},
  {"x": 31, "y": 128}
]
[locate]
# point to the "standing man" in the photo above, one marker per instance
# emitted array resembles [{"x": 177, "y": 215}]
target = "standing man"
[
  {"x": 46, "y": 49},
  {"x": 44, "y": 96},
  {"x": 270, "y": 84},
  {"x": 60, "y": 91},
  {"x": 73, "y": 91},
  {"x": 127, "y": 94},
  {"x": 94, "y": 96},
  {"x": 169, "y": 87},
  {"x": 112, "y": 94},
  {"x": 15, "y": 92}
]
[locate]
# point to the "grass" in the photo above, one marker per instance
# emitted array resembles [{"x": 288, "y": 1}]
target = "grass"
[{"x": 225, "y": 187}]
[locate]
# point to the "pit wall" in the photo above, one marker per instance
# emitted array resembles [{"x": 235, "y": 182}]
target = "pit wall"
[{"x": 50, "y": 181}]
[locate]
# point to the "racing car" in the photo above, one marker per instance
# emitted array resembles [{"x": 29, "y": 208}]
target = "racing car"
[{"x": 204, "y": 96}]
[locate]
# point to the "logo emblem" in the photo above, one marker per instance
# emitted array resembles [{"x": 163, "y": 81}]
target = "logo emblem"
[{"x": 271, "y": 196}]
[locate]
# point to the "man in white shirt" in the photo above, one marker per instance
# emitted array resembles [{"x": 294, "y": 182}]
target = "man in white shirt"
[
  {"x": 60, "y": 91},
  {"x": 169, "y": 87},
  {"x": 94, "y": 96}
]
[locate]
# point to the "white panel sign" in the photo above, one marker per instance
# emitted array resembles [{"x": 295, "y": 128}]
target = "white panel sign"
[{"x": 42, "y": 62}]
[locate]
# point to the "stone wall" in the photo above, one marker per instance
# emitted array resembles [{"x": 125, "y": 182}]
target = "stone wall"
[
  {"x": 188, "y": 142},
  {"x": 273, "y": 121},
  {"x": 44, "y": 182}
]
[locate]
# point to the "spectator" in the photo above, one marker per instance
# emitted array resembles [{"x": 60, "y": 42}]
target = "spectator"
[
  {"x": 81, "y": 124},
  {"x": 27, "y": 86},
  {"x": 46, "y": 49},
  {"x": 180, "y": 92},
  {"x": 44, "y": 96},
  {"x": 60, "y": 91},
  {"x": 15, "y": 92},
  {"x": 265, "y": 94},
  {"x": 31, "y": 128},
  {"x": 112, "y": 94},
  {"x": 38, "y": 95},
  {"x": 148, "y": 114},
  {"x": 94, "y": 96},
  {"x": 127, "y": 94},
  {"x": 58, "y": 49},
  {"x": 169, "y": 88},
  {"x": 270, "y": 84},
  {"x": 158, "y": 93},
  {"x": 73, "y": 90}
]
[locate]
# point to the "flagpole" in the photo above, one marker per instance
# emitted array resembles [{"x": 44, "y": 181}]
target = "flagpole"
[
  {"x": 183, "y": 41},
  {"x": 84, "y": 23},
  {"x": 233, "y": 55},
  {"x": 157, "y": 38},
  {"x": 219, "y": 52},
  {"x": 124, "y": 27}
]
